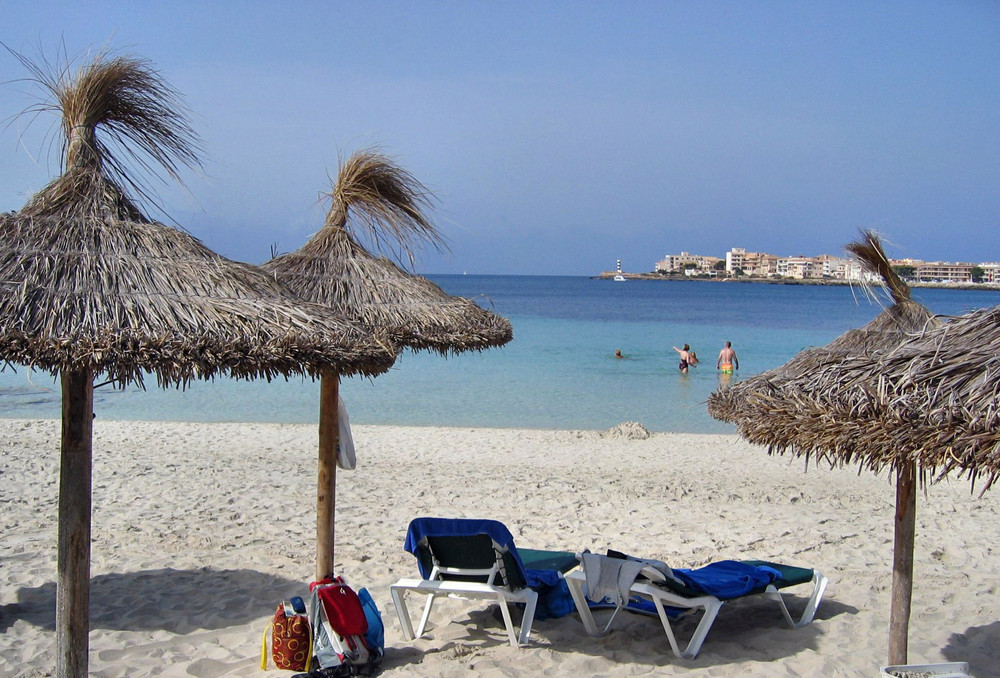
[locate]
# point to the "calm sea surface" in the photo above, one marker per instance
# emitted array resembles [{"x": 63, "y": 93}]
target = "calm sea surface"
[{"x": 559, "y": 372}]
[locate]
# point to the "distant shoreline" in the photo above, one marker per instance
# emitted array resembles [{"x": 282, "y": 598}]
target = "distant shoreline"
[{"x": 831, "y": 282}]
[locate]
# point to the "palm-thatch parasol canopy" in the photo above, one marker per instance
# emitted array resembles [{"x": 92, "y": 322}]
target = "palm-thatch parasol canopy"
[
  {"x": 86, "y": 282},
  {"x": 375, "y": 195},
  {"x": 934, "y": 400},
  {"x": 90, "y": 287},
  {"x": 763, "y": 405},
  {"x": 908, "y": 393},
  {"x": 333, "y": 269}
]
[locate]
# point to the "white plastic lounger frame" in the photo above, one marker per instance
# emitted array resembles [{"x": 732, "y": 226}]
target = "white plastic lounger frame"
[
  {"x": 435, "y": 585},
  {"x": 663, "y": 598}
]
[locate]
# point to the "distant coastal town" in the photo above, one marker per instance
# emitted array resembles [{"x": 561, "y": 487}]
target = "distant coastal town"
[{"x": 740, "y": 265}]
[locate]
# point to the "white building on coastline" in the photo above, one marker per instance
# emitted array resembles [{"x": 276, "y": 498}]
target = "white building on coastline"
[
  {"x": 992, "y": 272},
  {"x": 832, "y": 267},
  {"x": 739, "y": 262},
  {"x": 854, "y": 271},
  {"x": 734, "y": 259},
  {"x": 796, "y": 267},
  {"x": 938, "y": 271},
  {"x": 684, "y": 262}
]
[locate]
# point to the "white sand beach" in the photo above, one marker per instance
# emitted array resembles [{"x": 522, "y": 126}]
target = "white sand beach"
[{"x": 199, "y": 530}]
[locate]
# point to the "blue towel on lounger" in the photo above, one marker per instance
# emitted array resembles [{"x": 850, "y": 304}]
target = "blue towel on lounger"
[{"x": 726, "y": 579}]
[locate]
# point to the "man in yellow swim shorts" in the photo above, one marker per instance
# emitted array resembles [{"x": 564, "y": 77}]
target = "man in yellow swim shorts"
[{"x": 727, "y": 359}]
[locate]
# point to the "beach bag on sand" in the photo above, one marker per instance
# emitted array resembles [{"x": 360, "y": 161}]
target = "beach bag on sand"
[
  {"x": 376, "y": 630},
  {"x": 347, "y": 630},
  {"x": 291, "y": 638}
]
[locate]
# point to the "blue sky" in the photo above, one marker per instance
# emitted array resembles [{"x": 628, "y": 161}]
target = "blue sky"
[{"x": 561, "y": 136}]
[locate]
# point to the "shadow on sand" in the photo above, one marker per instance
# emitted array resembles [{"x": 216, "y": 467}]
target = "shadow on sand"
[
  {"x": 980, "y": 646},
  {"x": 745, "y": 634},
  {"x": 166, "y": 599}
]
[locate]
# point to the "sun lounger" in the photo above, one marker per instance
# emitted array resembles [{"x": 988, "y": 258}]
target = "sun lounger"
[
  {"x": 477, "y": 560},
  {"x": 672, "y": 599}
]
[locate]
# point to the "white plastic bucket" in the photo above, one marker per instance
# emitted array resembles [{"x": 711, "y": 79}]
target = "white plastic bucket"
[{"x": 946, "y": 670}]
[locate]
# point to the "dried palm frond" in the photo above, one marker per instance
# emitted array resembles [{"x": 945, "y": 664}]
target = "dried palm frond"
[
  {"x": 383, "y": 202},
  {"x": 939, "y": 395},
  {"x": 872, "y": 256},
  {"x": 118, "y": 114}
]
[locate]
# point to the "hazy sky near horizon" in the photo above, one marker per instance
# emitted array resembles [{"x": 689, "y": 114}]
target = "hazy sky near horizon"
[{"x": 560, "y": 136}]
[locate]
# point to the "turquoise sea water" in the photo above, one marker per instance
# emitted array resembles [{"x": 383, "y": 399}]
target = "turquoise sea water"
[{"x": 559, "y": 372}]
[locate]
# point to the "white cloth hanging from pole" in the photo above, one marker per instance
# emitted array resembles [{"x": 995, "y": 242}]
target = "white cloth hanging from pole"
[{"x": 345, "y": 441}]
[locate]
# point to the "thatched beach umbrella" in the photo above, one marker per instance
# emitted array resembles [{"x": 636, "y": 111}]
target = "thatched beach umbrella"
[
  {"x": 750, "y": 403},
  {"x": 933, "y": 399},
  {"x": 89, "y": 287},
  {"x": 835, "y": 404},
  {"x": 925, "y": 409},
  {"x": 334, "y": 269}
]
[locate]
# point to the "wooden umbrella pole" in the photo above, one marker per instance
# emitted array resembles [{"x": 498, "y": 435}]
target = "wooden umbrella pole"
[
  {"x": 73, "y": 562},
  {"x": 902, "y": 561},
  {"x": 326, "y": 484}
]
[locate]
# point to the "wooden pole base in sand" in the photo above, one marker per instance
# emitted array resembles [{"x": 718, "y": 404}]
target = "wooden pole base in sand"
[
  {"x": 902, "y": 561},
  {"x": 326, "y": 484},
  {"x": 73, "y": 561}
]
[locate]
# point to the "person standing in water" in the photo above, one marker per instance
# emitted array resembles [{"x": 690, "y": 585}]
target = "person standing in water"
[
  {"x": 727, "y": 359},
  {"x": 688, "y": 358}
]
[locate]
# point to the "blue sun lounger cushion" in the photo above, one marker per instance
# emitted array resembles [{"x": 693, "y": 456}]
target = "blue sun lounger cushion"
[
  {"x": 704, "y": 589},
  {"x": 728, "y": 579}
]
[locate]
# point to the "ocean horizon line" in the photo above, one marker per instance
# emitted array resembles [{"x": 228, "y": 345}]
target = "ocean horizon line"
[{"x": 790, "y": 282}]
